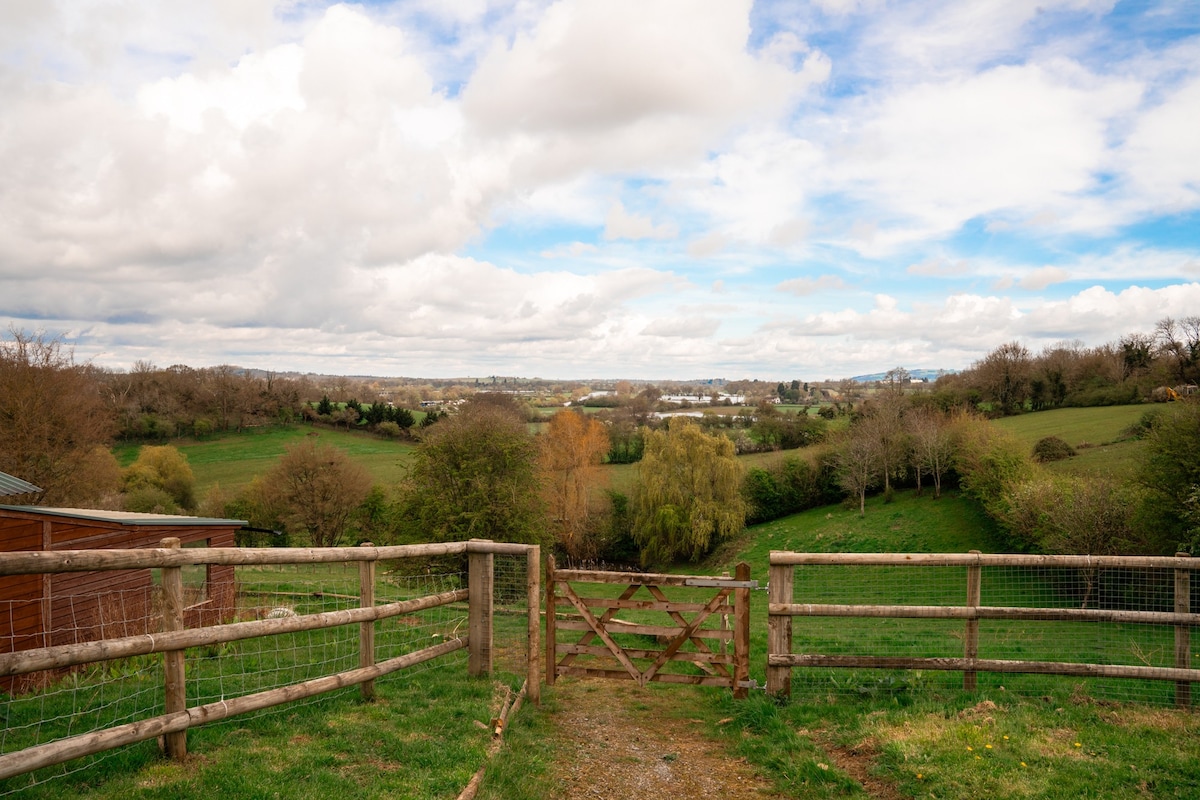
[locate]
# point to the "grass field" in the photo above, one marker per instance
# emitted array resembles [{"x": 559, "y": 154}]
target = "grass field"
[
  {"x": 1096, "y": 433},
  {"x": 233, "y": 460}
]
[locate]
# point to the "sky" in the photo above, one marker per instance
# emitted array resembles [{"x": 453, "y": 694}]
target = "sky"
[{"x": 582, "y": 189}]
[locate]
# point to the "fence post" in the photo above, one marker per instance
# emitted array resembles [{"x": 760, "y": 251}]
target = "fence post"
[
  {"x": 741, "y": 634},
  {"x": 533, "y": 601},
  {"x": 551, "y": 661},
  {"x": 1183, "y": 644},
  {"x": 779, "y": 630},
  {"x": 971, "y": 639},
  {"x": 174, "y": 681},
  {"x": 366, "y": 630},
  {"x": 480, "y": 569}
]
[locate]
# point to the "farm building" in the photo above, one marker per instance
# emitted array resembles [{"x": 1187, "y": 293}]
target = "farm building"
[{"x": 75, "y": 607}]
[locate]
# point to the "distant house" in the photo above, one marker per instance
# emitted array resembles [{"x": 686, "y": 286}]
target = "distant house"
[{"x": 74, "y": 607}]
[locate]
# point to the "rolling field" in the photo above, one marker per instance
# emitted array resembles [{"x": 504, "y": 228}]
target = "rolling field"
[
  {"x": 233, "y": 460},
  {"x": 1094, "y": 432}
]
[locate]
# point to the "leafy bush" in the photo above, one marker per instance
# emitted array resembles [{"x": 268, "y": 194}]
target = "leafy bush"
[{"x": 1052, "y": 448}]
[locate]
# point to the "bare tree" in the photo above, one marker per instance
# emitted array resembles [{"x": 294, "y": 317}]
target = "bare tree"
[
  {"x": 52, "y": 417},
  {"x": 856, "y": 462},
  {"x": 932, "y": 446}
]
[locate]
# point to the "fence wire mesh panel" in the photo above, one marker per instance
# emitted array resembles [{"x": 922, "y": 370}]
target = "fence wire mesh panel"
[
  {"x": 510, "y": 628},
  {"x": 1096, "y": 630},
  {"x": 42, "y": 708},
  {"x": 48, "y": 705}
]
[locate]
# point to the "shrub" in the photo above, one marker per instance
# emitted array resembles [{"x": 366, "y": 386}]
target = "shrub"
[
  {"x": 388, "y": 430},
  {"x": 1052, "y": 448}
]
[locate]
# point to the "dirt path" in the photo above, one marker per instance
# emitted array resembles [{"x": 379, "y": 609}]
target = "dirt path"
[{"x": 625, "y": 742}]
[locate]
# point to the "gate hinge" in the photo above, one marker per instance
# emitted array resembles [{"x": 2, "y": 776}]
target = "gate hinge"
[{"x": 721, "y": 583}]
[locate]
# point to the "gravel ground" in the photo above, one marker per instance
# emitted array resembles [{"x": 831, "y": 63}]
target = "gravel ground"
[{"x": 625, "y": 742}]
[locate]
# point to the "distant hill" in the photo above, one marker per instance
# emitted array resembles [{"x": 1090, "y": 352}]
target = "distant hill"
[{"x": 922, "y": 374}]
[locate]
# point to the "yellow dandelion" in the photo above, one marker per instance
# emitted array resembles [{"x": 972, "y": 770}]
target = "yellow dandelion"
[
  {"x": 920, "y": 777},
  {"x": 1077, "y": 744},
  {"x": 1006, "y": 738},
  {"x": 988, "y": 746},
  {"x": 1023, "y": 764},
  {"x": 970, "y": 749},
  {"x": 979, "y": 758}
]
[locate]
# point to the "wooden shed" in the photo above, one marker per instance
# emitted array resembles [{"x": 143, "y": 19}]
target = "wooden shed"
[{"x": 69, "y": 608}]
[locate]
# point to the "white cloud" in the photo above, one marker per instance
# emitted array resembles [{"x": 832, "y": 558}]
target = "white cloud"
[
  {"x": 806, "y": 286},
  {"x": 939, "y": 267},
  {"x": 1022, "y": 137},
  {"x": 620, "y": 224},
  {"x": 1040, "y": 278}
]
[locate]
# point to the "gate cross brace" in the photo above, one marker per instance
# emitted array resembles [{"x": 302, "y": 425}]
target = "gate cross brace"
[
  {"x": 683, "y": 636},
  {"x": 700, "y": 644},
  {"x": 598, "y": 627},
  {"x": 606, "y": 617}
]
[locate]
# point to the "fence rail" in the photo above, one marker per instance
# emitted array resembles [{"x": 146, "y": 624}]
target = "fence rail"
[
  {"x": 174, "y": 638},
  {"x": 784, "y": 606}
]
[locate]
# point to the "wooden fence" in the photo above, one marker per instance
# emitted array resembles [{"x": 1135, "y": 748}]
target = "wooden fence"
[
  {"x": 786, "y": 603},
  {"x": 176, "y": 718},
  {"x": 622, "y": 643}
]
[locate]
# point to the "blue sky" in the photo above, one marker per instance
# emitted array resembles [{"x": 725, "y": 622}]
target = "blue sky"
[{"x": 596, "y": 188}]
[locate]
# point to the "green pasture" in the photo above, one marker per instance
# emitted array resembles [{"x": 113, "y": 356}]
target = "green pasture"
[
  {"x": 234, "y": 459},
  {"x": 1096, "y": 434},
  {"x": 1078, "y": 426}
]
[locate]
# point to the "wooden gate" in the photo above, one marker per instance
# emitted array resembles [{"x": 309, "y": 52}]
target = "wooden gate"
[{"x": 641, "y": 649}]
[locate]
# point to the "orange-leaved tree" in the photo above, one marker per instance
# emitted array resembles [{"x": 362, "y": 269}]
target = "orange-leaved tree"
[{"x": 570, "y": 456}]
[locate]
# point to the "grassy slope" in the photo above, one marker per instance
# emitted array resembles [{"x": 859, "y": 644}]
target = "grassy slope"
[
  {"x": 233, "y": 460},
  {"x": 1095, "y": 432}
]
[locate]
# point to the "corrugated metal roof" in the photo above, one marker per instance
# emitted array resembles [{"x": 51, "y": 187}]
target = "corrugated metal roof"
[
  {"x": 126, "y": 517},
  {"x": 10, "y": 486}
]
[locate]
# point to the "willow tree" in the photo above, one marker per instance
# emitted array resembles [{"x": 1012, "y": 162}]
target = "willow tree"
[
  {"x": 569, "y": 458},
  {"x": 688, "y": 497}
]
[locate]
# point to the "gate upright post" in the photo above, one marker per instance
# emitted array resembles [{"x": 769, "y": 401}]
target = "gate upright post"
[
  {"x": 1183, "y": 637},
  {"x": 480, "y": 576},
  {"x": 174, "y": 681},
  {"x": 366, "y": 630},
  {"x": 971, "y": 637},
  {"x": 533, "y": 599},
  {"x": 779, "y": 630},
  {"x": 741, "y": 633},
  {"x": 551, "y": 658}
]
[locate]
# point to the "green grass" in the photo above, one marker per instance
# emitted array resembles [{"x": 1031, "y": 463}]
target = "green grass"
[
  {"x": 234, "y": 459},
  {"x": 1077, "y": 426},
  {"x": 1096, "y": 433}
]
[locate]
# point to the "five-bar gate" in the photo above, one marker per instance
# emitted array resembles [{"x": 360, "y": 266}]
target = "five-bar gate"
[{"x": 703, "y": 640}]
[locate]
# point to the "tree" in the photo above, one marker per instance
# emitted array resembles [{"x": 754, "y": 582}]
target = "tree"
[
  {"x": 1170, "y": 470},
  {"x": 1004, "y": 376},
  {"x": 856, "y": 463},
  {"x": 315, "y": 488},
  {"x": 164, "y": 469},
  {"x": 572, "y": 450},
  {"x": 883, "y": 422},
  {"x": 52, "y": 417},
  {"x": 474, "y": 475},
  {"x": 688, "y": 496},
  {"x": 932, "y": 446}
]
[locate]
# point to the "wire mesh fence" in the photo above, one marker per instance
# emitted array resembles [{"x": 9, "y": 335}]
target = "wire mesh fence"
[
  {"x": 48, "y": 706},
  {"x": 1102, "y": 618}
]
